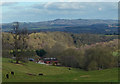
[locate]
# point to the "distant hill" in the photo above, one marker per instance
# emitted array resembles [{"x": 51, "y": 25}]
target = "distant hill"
[{"x": 67, "y": 25}]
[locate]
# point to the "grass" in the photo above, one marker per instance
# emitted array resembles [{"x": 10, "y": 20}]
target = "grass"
[{"x": 55, "y": 74}]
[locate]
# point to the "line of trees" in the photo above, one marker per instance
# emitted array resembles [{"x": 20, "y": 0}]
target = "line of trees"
[{"x": 90, "y": 57}]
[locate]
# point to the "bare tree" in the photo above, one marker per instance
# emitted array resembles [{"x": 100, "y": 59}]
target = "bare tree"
[{"x": 20, "y": 44}]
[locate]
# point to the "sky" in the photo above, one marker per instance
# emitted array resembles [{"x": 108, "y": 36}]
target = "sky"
[{"x": 44, "y": 11}]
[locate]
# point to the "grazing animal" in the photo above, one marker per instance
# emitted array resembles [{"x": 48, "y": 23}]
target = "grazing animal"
[
  {"x": 69, "y": 68},
  {"x": 7, "y": 76},
  {"x": 31, "y": 74},
  {"x": 40, "y": 74},
  {"x": 12, "y": 72}
]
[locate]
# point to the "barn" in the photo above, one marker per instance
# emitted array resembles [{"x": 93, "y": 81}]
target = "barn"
[{"x": 50, "y": 60}]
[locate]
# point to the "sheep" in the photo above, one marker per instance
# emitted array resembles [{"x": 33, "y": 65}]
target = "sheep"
[
  {"x": 69, "y": 68},
  {"x": 12, "y": 72},
  {"x": 31, "y": 74},
  {"x": 7, "y": 76},
  {"x": 40, "y": 74}
]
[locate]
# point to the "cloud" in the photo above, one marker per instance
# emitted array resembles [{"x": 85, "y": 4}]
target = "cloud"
[
  {"x": 47, "y": 4},
  {"x": 69, "y": 5},
  {"x": 8, "y": 3},
  {"x": 73, "y": 6},
  {"x": 60, "y": 0},
  {"x": 60, "y": 6},
  {"x": 99, "y": 9},
  {"x": 54, "y": 10}
]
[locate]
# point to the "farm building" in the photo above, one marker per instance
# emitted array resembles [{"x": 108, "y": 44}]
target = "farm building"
[
  {"x": 40, "y": 62},
  {"x": 50, "y": 60}
]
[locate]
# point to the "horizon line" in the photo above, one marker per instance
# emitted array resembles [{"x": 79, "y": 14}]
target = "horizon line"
[{"x": 53, "y": 20}]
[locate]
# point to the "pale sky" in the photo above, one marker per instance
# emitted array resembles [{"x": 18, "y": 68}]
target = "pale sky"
[
  {"x": 60, "y": 0},
  {"x": 44, "y": 10}
]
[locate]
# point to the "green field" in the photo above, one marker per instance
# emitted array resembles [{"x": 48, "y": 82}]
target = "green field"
[{"x": 54, "y": 74}]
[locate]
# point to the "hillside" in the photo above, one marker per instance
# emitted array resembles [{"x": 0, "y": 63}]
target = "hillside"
[
  {"x": 49, "y": 39},
  {"x": 66, "y": 25},
  {"x": 55, "y": 74}
]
